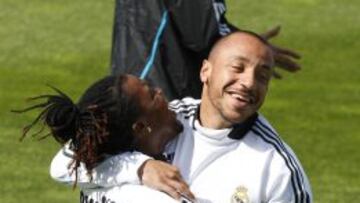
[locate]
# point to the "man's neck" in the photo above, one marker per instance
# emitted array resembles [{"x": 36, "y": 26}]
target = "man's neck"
[{"x": 210, "y": 118}]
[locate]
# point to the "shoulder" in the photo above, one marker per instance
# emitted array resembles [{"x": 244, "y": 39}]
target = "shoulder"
[
  {"x": 186, "y": 106},
  {"x": 284, "y": 165},
  {"x": 266, "y": 136}
]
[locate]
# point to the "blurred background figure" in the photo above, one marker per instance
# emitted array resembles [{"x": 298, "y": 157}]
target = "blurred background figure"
[{"x": 165, "y": 41}]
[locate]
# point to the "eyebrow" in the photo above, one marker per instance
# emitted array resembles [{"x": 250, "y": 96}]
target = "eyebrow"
[
  {"x": 148, "y": 84},
  {"x": 240, "y": 58}
]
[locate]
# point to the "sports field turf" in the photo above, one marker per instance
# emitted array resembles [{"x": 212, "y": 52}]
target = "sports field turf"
[{"x": 67, "y": 44}]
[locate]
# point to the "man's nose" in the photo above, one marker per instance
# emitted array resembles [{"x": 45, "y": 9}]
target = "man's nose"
[
  {"x": 248, "y": 79},
  {"x": 158, "y": 90}
]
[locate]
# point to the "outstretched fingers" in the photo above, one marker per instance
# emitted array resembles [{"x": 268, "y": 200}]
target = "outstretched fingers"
[
  {"x": 271, "y": 33},
  {"x": 287, "y": 52},
  {"x": 285, "y": 62}
]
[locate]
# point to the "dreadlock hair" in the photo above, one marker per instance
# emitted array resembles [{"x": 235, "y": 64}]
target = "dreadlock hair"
[{"x": 100, "y": 124}]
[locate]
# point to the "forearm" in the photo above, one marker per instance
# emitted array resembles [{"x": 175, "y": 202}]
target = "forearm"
[{"x": 115, "y": 170}]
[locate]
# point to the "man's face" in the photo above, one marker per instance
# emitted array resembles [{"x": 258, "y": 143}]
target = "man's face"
[
  {"x": 236, "y": 78},
  {"x": 155, "y": 115}
]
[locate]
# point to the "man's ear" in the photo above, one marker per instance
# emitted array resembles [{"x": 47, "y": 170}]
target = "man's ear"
[
  {"x": 138, "y": 127},
  {"x": 205, "y": 71}
]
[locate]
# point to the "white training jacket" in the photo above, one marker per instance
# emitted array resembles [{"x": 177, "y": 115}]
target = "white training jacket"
[{"x": 248, "y": 163}]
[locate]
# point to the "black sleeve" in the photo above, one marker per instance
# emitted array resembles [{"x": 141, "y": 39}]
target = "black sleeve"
[
  {"x": 195, "y": 22},
  {"x": 232, "y": 27}
]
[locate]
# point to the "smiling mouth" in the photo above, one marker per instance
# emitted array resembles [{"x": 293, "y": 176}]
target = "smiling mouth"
[{"x": 242, "y": 97}]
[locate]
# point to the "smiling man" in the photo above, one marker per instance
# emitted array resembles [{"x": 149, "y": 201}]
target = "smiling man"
[
  {"x": 235, "y": 78},
  {"x": 227, "y": 152}
]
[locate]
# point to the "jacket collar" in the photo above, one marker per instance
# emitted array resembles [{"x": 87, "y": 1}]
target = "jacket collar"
[{"x": 239, "y": 130}]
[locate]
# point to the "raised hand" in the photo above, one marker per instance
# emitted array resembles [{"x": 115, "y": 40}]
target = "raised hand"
[{"x": 284, "y": 58}]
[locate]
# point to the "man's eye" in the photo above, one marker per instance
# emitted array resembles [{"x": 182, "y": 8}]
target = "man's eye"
[
  {"x": 152, "y": 92},
  {"x": 238, "y": 67}
]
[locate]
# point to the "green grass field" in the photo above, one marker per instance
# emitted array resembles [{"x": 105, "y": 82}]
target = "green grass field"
[{"x": 67, "y": 44}]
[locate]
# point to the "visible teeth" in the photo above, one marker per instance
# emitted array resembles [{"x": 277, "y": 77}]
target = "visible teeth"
[
  {"x": 236, "y": 96},
  {"x": 239, "y": 97}
]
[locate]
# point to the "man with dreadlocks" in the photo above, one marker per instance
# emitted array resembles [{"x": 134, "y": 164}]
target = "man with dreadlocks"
[{"x": 91, "y": 128}]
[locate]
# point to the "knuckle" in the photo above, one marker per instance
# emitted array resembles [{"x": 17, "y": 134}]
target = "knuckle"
[
  {"x": 182, "y": 188},
  {"x": 171, "y": 175},
  {"x": 175, "y": 176}
]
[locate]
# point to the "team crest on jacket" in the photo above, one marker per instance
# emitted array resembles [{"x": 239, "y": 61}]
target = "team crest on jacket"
[{"x": 240, "y": 195}]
